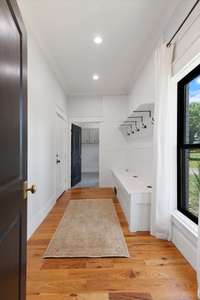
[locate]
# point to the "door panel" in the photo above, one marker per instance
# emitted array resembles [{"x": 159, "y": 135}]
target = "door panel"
[
  {"x": 76, "y": 155},
  {"x": 60, "y": 155},
  {"x": 10, "y": 261},
  {"x": 13, "y": 152},
  {"x": 10, "y": 52}
]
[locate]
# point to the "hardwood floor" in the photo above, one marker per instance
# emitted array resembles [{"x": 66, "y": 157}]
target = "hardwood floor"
[{"x": 155, "y": 269}]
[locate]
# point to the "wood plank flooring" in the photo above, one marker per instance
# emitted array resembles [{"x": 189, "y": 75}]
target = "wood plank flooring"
[{"x": 155, "y": 270}]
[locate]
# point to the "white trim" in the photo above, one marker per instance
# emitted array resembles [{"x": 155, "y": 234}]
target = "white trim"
[
  {"x": 184, "y": 231},
  {"x": 186, "y": 226},
  {"x": 184, "y": 237},
  {"x": 60, "y": 113},
  {"x": 187, "y": 69}
]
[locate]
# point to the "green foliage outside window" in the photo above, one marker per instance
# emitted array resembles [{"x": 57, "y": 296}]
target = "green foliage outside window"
[{"x": 194, "y": 122}]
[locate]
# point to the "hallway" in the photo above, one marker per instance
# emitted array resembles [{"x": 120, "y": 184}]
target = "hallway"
[
  {"x": 100, "y": 150},
  {"x": 155, "y": 269}
]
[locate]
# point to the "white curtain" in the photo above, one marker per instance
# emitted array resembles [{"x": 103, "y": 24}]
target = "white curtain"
[{"x": 163, "y": 149}]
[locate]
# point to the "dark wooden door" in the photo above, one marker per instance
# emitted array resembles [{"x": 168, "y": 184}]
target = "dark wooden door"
[
  {"x": 76, "y": 155},
  {"x": 13, "y": 152}
]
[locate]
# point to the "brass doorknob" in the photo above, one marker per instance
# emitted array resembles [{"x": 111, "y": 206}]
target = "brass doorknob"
[{"x": 32, "y": 189}]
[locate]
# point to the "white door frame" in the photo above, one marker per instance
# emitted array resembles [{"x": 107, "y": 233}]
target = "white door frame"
[
  {"x": 78, "y": 120},
  {"x": 62, "y": 115}
]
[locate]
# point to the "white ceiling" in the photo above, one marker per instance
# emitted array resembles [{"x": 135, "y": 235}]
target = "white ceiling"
[{"x": 65, "y": 30}]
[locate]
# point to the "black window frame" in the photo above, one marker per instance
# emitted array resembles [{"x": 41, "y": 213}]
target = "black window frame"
[{"x": 182, "y": 146}]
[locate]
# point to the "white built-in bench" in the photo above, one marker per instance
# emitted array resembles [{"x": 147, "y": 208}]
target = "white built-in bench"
[{"x": 134, "y": 193}]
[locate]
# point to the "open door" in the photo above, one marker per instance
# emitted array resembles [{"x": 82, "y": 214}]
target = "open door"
[
  {"x": 75, "y": 155},
  {"x": 13, "y": 153}
]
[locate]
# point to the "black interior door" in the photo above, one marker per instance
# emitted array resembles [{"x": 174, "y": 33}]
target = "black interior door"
[
  {"x": 76, "y": 155},
  {"x": 13, "y": 152}
]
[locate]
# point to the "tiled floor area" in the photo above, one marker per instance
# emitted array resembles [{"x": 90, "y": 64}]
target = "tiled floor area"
[{"x": 88, "y": 180}]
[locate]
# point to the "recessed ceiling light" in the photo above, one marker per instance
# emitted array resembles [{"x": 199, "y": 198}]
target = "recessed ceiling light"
[
  {"x": 95, "y": 77},
  {"x": 98, "y": 40}
]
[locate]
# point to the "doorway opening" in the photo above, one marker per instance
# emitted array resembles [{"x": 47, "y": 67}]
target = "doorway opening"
[{"x": 86, "y": 167}]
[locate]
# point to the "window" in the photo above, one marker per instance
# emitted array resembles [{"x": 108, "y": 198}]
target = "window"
[{"x": 189, "y": 145}]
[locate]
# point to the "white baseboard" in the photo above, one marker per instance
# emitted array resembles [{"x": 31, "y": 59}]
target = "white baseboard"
[
  {"x": 38, "y": 218},
  {"x": 184, "y": 237}
]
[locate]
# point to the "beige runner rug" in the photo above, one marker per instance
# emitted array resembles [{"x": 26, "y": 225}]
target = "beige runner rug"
[{"x": 89, "y": 228}]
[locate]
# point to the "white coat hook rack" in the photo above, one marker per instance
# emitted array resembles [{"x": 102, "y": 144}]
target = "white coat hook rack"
[
  {"x": 144, "y": 126},
  {"x": 132, "y": 130},
  {"x": 140, "y": 122},
  {"x": 129, "y": 131},
  {"x": 146, "y": 111},
  {"x": 136, "y": 127}
]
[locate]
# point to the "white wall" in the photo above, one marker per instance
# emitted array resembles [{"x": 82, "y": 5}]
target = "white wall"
[
  {"x": 143, "y": 90},
  {"x": 114, "y": 149},
  {"x": 44, "y": 95},
  {"x": 90, "y": 158},
  {"x": 113, "y": 146},
  {"x": 85, "y": 106},
  {"x": 110, "y": 111},
  {"x": 141, "y": 157}
]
